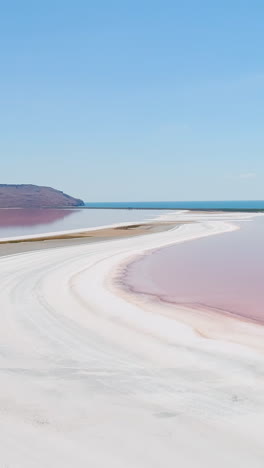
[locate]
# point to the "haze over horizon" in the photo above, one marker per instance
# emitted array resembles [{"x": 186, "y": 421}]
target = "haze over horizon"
[{"x": 146, "y": 101}]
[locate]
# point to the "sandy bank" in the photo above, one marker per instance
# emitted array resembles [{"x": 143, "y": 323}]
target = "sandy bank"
[{"x": 70, "y": 239}]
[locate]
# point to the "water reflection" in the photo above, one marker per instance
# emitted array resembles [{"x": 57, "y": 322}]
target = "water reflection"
[
  {"x": 31, "y": 217},
  {"x": 20, "y": 222}
]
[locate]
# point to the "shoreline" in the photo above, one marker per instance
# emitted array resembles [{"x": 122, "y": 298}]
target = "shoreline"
[
  {"x": 80, "y": 362},
  {"x": 145, "y": 208},
  {"x": 11, "y": 246},
  {"x": 206, "y": 322},
  {"x": 117, "y": 232},
  {"x": 169, "y": 218},
  {"x": 195, "y": 316},
  {"x": 156, "y": 298}
]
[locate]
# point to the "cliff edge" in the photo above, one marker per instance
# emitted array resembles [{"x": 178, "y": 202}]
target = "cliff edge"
[{"x": 34, "y": 196}]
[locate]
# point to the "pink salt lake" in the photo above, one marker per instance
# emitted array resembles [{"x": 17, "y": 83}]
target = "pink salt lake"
[
  {"x": 223, "y": 272},
  {"x": 21, "y": 222}
]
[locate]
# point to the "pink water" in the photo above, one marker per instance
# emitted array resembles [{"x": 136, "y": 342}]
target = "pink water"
[
  {"x": 223, "y": 272},
  {"x": 19, "y": 222}
]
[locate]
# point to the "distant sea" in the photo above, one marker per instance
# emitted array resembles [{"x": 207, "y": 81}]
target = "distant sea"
[{"x": 183, "y": 205}]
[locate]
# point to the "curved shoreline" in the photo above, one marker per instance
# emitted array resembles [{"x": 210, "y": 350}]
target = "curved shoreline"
[
  {"x": 97, "y": 380},
  {"x": 133, "y": 286},
  {"x": 169, "y": 217},
  {"x": 195, "y": 317}
]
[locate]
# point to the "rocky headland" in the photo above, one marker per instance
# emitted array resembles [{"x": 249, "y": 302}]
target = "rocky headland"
[{"x": 34, "y": 196}]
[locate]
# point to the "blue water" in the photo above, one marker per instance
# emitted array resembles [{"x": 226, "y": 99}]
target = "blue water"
[{"x": 173, "y": 205}]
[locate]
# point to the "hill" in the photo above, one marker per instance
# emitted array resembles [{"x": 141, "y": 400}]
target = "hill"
[{"x": 34, "y": 196}]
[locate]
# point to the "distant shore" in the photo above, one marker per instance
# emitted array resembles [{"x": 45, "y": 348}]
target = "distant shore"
[
  {"x": 201, "y": 210},
  {"x": 143, "y": 208}
]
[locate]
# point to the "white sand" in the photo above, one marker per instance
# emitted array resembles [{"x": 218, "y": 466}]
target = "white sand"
[{"x": 90, "y": 379}]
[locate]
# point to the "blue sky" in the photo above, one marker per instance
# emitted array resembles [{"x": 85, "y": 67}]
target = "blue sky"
[{"x": 134, "y": 100}]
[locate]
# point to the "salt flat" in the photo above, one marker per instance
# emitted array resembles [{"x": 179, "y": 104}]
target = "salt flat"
[{"x": 91, "y": 378}]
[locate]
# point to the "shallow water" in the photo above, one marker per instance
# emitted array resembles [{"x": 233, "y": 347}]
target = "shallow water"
[
  {"x": 20, "y": 222},
  {"x": 224, "y": 272}
]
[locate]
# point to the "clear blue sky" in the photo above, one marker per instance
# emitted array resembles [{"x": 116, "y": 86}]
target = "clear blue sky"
[{"x": 134, "y": 100}]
